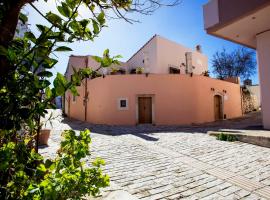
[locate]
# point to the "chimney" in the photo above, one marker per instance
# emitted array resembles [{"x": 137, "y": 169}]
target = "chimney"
[
  {"x": 189, "y": 67},
  {"x": 199, "y": 48},
  {"x": 248, "y": 82}
]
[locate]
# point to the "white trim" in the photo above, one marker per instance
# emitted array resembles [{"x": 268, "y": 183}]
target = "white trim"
[{"x": 119, "y": 103}]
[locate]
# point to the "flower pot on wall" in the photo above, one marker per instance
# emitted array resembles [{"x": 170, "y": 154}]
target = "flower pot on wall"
[
  {"x": 139, "y": 70},
  {"x": 114, "y": 70},
  {"x": 44, "y": 136}
]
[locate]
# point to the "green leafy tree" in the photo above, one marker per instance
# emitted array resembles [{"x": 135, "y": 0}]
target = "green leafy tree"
[
  {"x": 25, "y": 96},
  {"x": 26, "y": 175}
]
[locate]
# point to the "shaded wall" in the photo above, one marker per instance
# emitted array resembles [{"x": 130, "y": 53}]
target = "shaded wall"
[
  {"x": 219, "y": 13},
  {"x": 233, "y": 9}
]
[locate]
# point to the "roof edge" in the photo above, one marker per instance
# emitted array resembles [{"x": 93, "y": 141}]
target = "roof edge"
[{"x": 142, "y": 47}]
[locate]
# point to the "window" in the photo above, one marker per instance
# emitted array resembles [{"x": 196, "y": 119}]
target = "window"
[
  {"x": 173, "y": 70},
  {"x": 73, "y": 98},
  {"x": 122, "y": 104},
  {"x": 133, "y": 71}
]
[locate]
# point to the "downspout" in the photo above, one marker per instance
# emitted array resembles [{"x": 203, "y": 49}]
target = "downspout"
[{"x": 85, "y": 92}]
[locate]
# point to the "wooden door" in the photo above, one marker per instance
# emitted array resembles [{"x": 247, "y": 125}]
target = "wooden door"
[
  {"x": 145, "y": 110},
  {"x": 218, "y": 107}
]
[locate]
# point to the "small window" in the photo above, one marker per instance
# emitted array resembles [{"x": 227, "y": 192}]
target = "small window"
[
  {"x": 122, "y": 104},
  {"x": 173, "y": 70},
  {"x": 73, "y": 98},
  {"x": 133, "y": 71}
]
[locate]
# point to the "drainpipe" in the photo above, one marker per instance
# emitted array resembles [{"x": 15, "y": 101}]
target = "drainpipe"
[{"x": 85, "y": 92}]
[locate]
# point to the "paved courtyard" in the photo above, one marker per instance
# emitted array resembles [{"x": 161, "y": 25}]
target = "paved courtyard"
[{"x": 177, "y": 162}]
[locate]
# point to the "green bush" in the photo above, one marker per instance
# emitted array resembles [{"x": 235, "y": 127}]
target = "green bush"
[
  {"x": 26, "y": 175},
  {"x": 226, "y": 137}
]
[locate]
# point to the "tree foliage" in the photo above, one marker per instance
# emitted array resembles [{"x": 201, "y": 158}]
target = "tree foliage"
[
  {"x": 65, "y": 177},
  {"x": 238, "y": 63},
  {"x": 25, "y": 95}
]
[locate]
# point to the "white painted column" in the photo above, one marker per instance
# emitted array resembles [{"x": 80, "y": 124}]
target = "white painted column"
[{"x": 263, "y": 53}]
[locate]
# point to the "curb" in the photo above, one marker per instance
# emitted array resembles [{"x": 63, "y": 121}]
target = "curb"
[{"x": 260, "y": 140}]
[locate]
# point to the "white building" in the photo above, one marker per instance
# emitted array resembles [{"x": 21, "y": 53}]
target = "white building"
[
  {"x": 162, "y": 56},
  {"x": 21, "y": 29}
]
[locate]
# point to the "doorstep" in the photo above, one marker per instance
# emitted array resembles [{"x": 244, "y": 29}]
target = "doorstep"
[{"x": 257, "y": 137}]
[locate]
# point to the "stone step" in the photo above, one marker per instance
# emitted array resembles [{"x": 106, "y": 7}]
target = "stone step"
[{"x": 256, "y": 137}]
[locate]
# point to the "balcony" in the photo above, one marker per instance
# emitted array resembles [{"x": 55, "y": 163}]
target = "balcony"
[{"x": 237, "y": 20}]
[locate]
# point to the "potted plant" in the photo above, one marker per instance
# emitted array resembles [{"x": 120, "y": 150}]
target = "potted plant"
[
  {"x": 44, "y": 131},
  {"x": 205, "y": 73},
  {"x": 139, "y": 70},
  {"x": 114, "y": 70},
  {"x": 43, "y": 137}
]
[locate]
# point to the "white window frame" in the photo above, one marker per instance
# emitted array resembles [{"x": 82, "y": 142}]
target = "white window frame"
[{"x": 119, "y": 103}]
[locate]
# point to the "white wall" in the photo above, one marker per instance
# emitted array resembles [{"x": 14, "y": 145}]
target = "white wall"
[
  {"x": 149, "y": 49},
  {"x": 171, "y": 53},
  {"x": 263, "y": 49},
  {"x": 158, "y": 54},
  {"x": 79, "y": 62},
  {"x": 163, "y": 53},
  {"x": 255, "y": 90}
]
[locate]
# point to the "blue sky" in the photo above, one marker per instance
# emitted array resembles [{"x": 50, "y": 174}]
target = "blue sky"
[{"x": 182, "y": 24}]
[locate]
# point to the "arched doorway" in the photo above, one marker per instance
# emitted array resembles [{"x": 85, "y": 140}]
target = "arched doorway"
[{"x": 218, "y": 109}]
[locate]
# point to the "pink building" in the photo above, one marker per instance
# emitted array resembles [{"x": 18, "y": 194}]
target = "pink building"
[
  {"x": 247, "y": 23},
  {"x": 171, "y": 91}
]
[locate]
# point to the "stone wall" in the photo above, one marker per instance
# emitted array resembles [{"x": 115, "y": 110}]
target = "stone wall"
[{"x": 249, "y": 100}]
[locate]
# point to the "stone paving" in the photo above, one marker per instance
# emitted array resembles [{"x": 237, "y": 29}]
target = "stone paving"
[
  {"x": 175, "y": 162},
  {"x": 247, "y": 160}
]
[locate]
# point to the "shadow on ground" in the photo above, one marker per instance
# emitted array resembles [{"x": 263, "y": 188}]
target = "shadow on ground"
[{"x": 251, "y": 121}]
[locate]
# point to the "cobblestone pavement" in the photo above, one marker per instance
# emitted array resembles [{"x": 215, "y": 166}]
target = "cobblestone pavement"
[{"x": 175, "y": 163}]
